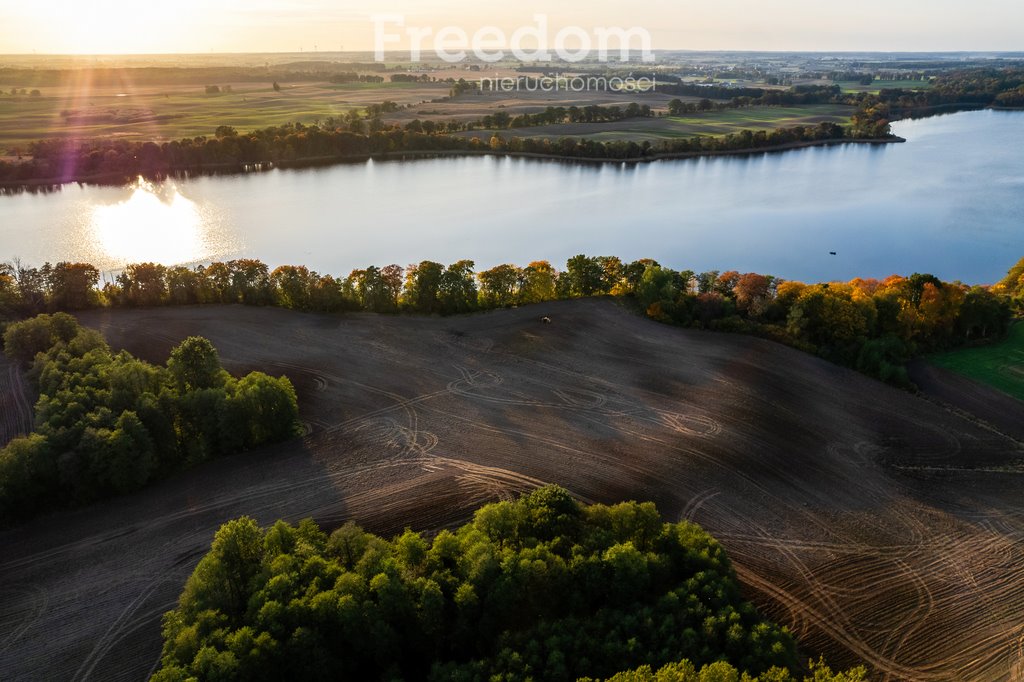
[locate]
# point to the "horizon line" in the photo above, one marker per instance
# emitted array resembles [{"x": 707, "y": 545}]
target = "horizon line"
[{"x": 400, "y": 52}]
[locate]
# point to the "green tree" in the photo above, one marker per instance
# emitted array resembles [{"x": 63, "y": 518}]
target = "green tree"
[
  {"x": 499, "y": 286},
  {"x": 827, "y": 318},
  {"x": 106, "y": 423},
  {"x": 200, "y": 417},
  {"x": 194, "y": 365},
  {"x": 24, "y": 340},
  {"x": 539, "y": 282},
  {"x": 250, "y": 279},
  {"x": 584, "y": 276},
  {"x": 28, "y": 475},
  {"x": 218, "y": 283},
  {"x": 144, "y": 284},
  {"x": 612, "y": 273},
  {"x": 9, "y": 299},
  {"x": 458, "y": 289},
  {"x": 269, "y": 408},
  {"x": 73, "y": 286},
  {"x": 632, "y": 273},
  {"x": 391, "y": 278},
  {"x": 423, "y": 287},
  {"x": 376, "y": 288},
  {"x": 541, "y": 588},
  {"x": 225, "y": 578},
  {"x": 184, "y": 286},
  {"x": 292, "y": 286},
  {"x": 657, "y": 286},
  {"x": 121, "y": 460},
  {"x": 982, "y": 314}
]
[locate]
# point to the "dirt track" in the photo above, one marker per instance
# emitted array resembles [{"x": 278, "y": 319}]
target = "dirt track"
[
  {"x": 16, "y": 402},
  {"x": 877, "y": 525},
  {"x": 1002, "y": 411}
]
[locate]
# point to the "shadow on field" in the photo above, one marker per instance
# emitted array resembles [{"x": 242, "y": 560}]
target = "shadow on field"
[{"x": 877, "y": 525}]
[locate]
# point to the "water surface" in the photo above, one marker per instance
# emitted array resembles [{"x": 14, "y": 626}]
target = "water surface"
[{"x": 950, "y": 201}]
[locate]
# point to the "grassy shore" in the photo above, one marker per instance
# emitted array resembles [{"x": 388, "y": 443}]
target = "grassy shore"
[{"x": 1000, "y": 366}]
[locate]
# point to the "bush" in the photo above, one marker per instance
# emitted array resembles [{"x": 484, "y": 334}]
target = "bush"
[
  {"x": 108, "y": 423},
  {"x": 541, "y": 588}
]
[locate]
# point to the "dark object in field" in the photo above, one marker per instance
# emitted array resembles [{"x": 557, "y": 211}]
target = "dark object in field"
[
  {"x": 545, "y": 320},
  {"x": 832, "y": 253}
]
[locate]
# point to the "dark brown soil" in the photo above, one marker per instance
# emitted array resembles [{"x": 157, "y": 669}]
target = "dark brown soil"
[
  {"x": 1001, "y": 411},
  {"x": 878, "y": 525},
  {"x": 16, "y": 402}
]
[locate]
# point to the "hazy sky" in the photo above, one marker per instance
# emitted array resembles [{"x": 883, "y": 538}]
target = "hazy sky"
[{"x": 152, "y": 26}]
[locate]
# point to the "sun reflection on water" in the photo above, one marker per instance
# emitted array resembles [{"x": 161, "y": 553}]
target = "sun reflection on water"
[{"x": 155, "y": 224}]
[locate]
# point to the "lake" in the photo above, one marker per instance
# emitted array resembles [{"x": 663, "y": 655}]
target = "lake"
[{"x": 950, "y": 202}]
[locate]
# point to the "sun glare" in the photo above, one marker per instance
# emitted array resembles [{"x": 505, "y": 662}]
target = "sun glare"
[
  {"x": 118, "y": 26},
  {"x": 150, "y": 226}
]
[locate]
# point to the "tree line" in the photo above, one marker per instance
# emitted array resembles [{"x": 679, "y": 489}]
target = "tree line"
[
  {"x": 740, "y": 98},
  {"x": 353, "y": 136},
  {"x": 1012, "y": 286},
  {"x": 553, "y": 115},
  {"x": 982, "y": 87},
  {"x": 872, "y": 325},
  {"x": 723, "y": 671},
  {"x": 356, "y": 136},
  {"x": 1001, "y": 86},
  {"x": 101, "y": 76},
  {"x": 977, "y": 86},
  {"x": 592, "y": 113},
  {"x": 107, "y": 423},
  {"x": 353, "y": 77},
  {"x": 539, "y": 588},
  {"x": 69, "y": 160}
]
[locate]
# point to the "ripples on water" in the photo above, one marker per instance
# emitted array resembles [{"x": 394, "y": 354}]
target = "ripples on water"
[{"x": 113, "y": 226}]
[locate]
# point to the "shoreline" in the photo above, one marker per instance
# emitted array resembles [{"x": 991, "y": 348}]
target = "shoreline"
[
  {"x": 120, "y": 179},
  {"x": 748, "y": 151}
]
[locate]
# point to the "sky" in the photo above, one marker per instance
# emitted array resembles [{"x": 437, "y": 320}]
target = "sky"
[{"x": 202, "y": 26}]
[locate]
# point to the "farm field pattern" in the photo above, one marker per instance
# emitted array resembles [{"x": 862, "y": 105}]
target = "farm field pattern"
[{"x": 877, "y": 525}]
